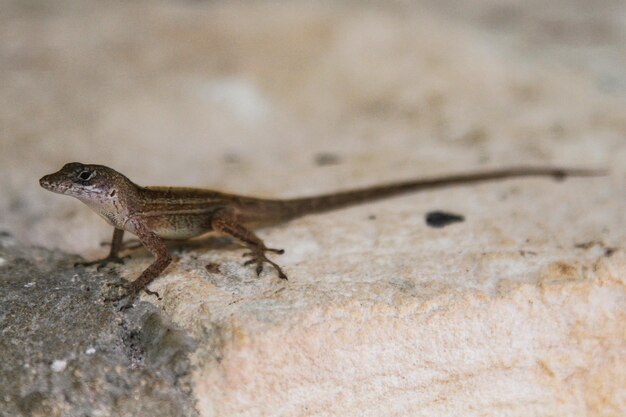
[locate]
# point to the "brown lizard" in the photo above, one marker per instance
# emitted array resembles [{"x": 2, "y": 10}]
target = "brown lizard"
[{"x": 156, "y": 214}]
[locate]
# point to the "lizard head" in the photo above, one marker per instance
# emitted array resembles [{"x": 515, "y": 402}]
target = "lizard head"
[
  {"x": 97, "y": 186},
  {"x": 81, "y": 180}
]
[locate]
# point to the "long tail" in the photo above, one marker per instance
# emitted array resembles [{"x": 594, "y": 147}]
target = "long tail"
[{"x": 301, "y": 206}]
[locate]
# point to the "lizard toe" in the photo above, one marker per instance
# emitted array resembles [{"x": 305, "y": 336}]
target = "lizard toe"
[
  {"x": 156, "y": 294},
  {"x": 276, "y": 251}
]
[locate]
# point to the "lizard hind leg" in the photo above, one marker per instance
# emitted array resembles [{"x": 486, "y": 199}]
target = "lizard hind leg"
[{"x": 226, "y": 223}]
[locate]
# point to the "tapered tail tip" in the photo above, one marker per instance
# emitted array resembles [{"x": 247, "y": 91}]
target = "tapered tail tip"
[{"x": 582, "y": 173}]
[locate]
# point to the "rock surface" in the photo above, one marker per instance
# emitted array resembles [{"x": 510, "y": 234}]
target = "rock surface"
[
  {"x": 518, "y": 310},
  {"x": 66, "y": 353}
]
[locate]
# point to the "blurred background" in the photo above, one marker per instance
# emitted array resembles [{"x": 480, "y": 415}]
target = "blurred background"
[{"x": 293, "y": 98}]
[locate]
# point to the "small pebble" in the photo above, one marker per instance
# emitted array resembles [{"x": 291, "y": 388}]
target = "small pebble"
[{"x": 58, "y": 365}]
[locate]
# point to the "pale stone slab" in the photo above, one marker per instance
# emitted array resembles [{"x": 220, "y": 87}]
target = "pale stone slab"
[{"x": 518, "y": 311}]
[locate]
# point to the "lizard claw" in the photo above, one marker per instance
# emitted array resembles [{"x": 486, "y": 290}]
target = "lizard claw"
[
  {"x": 276, "y": 251},
  {"x": 156, "y": 294},
  {"x": 259, "y": 258}
]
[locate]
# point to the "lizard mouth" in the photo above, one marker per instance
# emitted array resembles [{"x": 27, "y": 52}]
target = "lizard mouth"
[{"x": 52, "y": 184}]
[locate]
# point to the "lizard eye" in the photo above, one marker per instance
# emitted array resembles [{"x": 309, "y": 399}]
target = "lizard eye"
[{"x": 86, "y": 175}]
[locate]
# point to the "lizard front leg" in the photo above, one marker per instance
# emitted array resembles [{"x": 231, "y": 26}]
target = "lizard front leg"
[
  {"x": 113, "y": 256},
  {"x": 225, "y": 222},
  {"x": 157, "y": 247}
]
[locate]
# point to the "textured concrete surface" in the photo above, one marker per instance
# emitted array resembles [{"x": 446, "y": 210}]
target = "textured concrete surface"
[
  {"x": 66, "y": 353},
  {"x": 519, "y": 310}
]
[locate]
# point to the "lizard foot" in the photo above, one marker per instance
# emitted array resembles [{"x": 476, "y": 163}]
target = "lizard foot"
[
  {"x": 258, "y": 258},
  {"x": 103, "y": 262},
  {"x": 125, "y": 290}
]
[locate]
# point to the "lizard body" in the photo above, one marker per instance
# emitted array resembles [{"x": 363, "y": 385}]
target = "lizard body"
[{"x": 155, "y": 214}]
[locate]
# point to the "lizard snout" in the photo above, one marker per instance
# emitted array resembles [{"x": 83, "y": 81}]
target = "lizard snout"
[
  {"x": 45, "y": 182},
  {"x": 53, "y": 183}
]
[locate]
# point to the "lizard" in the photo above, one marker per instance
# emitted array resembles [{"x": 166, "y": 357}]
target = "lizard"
[{"x": 157, "y": 214}]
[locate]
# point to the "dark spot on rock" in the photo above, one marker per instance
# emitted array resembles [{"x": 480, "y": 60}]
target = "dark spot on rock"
[
  {"x": 441, "y": 218},
  {"x": 371, "y": 217},
  {"x": 608, "y": 251},
  {"x": 586, "y": 245},
  {"x": 326, "y": 158},
  {"x": 213, "y": 268}
]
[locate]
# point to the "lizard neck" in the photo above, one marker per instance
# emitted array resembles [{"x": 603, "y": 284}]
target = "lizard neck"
[{"x": 115, "y": 204}]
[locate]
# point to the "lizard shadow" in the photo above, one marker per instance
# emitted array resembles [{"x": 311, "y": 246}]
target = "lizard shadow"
[{"x": 207, "y": 242}]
